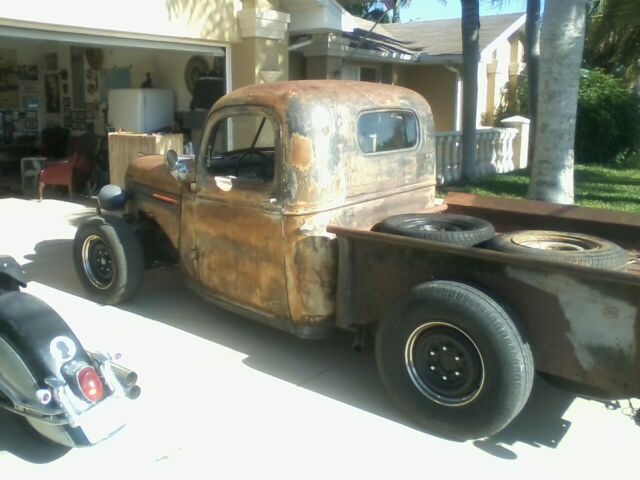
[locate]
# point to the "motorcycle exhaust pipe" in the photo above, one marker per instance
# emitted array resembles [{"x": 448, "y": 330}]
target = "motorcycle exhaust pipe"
[
  {"x": 133, "y": 392},
  {"x": 126, "y": 377}
]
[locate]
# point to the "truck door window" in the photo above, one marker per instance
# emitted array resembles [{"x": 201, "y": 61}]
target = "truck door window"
[
  {"x": 242, "y": 146},
  {"x": 387, "y": 131}
]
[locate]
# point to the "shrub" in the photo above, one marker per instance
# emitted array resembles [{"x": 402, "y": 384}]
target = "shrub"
[
  {"x": 608, "y": 120},
  {"x": 513, "y": 103}
]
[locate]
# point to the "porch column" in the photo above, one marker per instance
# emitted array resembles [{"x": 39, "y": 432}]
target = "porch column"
[
  {"x": 263, "y": 55},
  {"x": 521, "y": 142}
]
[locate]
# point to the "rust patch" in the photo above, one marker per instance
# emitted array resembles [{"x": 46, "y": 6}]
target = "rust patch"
[{"x": 301, "y": 152}]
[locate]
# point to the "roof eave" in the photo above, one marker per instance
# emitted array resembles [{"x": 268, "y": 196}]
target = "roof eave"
[{"x": 448, "y": 59}]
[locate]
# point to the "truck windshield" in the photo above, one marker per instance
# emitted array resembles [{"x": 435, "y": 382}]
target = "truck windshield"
[{"x": 242, "y": 146}]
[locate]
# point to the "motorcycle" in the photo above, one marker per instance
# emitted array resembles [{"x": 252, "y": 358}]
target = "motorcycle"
[{"x": 66, "y": 394}]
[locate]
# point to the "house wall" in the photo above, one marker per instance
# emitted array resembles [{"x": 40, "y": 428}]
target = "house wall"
[
  {"x": 498, "y": 83},
  {"x": 438, "y": 85},
  {"x": 212, "y": 20},
  {"x": 259, "y": 60}
]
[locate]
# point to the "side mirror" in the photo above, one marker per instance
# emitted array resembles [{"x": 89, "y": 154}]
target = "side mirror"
[{"x": 182, "y": 167}]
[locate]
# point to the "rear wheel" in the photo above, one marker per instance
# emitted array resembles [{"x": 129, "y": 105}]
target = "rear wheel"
[
  {"x": 453, "y": 359},
  {"x": 109, "y": 259},
  {"x": 573, "y": 248},
  {"x": 443, "y": 227}
]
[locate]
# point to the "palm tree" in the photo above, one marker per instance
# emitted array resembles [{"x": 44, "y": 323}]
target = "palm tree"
[
  {"x": 470, "y": 27},
  {"x": 613, "y": 36},
  {"x": 561, "y": 45},
  {"x": 397, "y": 5},
  {"x": 532, "y": 53}
]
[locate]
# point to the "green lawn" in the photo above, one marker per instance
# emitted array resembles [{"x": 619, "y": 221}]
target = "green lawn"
[{"x": 600, "y": 186}]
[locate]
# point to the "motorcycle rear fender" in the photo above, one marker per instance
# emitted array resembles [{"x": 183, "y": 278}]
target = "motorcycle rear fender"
[{"x": 34, "y": 344}]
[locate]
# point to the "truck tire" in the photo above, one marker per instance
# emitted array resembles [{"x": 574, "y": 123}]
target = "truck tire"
[
  {"x": 442, "y": 227},
  {"x": 453, "y": 359},
  {"x": 109, "y": 259},
  {"x": 572, "y": 248}
]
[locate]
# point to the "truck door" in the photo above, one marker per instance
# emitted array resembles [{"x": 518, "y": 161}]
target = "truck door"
[{"x": 239, "y": 239}]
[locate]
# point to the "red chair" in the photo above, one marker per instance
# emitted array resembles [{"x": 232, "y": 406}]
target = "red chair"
[{"x": 74, "y": 171}]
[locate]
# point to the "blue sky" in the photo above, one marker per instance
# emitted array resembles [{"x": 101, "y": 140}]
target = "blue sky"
[{"x": 435, "y": 9}]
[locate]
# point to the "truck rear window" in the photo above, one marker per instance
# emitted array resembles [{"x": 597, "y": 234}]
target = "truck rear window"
[{"x": 387, "y": 131}]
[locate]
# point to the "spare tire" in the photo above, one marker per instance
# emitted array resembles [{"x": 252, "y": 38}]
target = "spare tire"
[
  {"x": 565, "y": 247},
  {"x": 440, "y": 227}
]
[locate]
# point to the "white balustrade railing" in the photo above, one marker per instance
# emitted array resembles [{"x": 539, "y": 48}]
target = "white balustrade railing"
[{"x": 495, "y": 153}]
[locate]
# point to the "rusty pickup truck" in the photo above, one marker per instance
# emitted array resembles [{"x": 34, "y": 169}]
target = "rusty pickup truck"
[{"x": 311, "y": 206}]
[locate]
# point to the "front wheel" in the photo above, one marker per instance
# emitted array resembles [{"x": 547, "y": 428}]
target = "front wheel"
[
  {"x": 108, "y": 259},
  {"x": 453, "y": 359}
]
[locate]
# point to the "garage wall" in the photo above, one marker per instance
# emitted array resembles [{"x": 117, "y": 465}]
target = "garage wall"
[{"x": 212, "y": 20}]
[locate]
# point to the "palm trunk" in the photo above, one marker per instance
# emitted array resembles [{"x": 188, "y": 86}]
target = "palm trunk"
[
  {"x": 532, "y": 58},
  {"x": 396, "y": 14},
  {"x": 470, "y": 57},
  {"x": 561, "y": 44}
]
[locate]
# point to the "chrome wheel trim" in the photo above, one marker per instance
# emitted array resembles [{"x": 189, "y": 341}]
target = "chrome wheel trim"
[
  {"x": 418, "y": 381},
  {"x": 94, "y": 249}
]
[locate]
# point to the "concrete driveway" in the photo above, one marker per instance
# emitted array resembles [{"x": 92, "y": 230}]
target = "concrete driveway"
[{"x": 224, "y": 397}]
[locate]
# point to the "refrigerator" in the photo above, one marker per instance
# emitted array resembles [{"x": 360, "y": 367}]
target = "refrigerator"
[{"x": 141, "y": 110}]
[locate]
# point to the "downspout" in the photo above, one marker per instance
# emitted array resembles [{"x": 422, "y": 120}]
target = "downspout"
[{"x": 457, "y": 118}]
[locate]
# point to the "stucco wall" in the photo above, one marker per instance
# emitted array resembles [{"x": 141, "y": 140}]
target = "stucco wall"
[
  {"x": 500, "y": 79},
  {"x": 437, "y": 85},
  {"x": 212, "y": 20},
  {"x": 259, "y": 60}
]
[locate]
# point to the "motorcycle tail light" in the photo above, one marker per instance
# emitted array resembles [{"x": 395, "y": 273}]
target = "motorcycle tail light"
[{"x": 90, "y": 384}]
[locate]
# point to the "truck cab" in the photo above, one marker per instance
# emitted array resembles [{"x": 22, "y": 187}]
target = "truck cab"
[{"x": 278, "y": 163}]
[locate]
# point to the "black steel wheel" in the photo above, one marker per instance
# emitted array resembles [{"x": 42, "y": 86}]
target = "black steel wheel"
[
  {"x": 97, "y": 261},
  {"x": 564, "y": 247},
  {"x": 440, "y": 227},
  {"x": 444, "y": 363},
  {"x": 108, "y": 259},
  {"x": 453, "y": 359}
]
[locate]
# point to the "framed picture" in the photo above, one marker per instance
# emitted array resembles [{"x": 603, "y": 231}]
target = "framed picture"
[
  {"x": 28, "y": 72},
  {"x": 82, "y": 115},
  {"x": 90, "y": 111},
  {"x": 31, "y": 124},
  {"x": 66, "y": 102},
  {"x": 52, "y": 93},
  {"x": 30, "y": 103},
  {"x": 31, "y": 115}
]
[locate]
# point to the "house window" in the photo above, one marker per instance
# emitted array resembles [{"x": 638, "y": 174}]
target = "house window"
[
  {"x": 242, "y": 146},
  {"x": 387, "y": 131}
]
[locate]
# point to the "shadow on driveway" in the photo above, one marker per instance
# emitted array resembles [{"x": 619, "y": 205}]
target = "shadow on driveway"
[
  {"x": 309, "y": 364},
  {"x": 17, "y": 438}
]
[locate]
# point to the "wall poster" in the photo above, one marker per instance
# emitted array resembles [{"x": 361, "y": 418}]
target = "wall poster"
[{"x": 9, "y": 95}]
